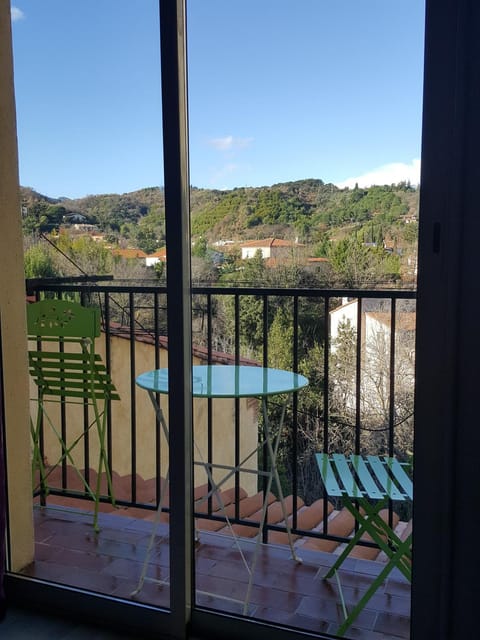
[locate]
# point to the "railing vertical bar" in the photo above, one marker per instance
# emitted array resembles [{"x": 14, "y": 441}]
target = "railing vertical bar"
[
  {"x": 63, "y": 424},
  {"x": 41, "y": 438},
  {"x": 209, "y": 401},
  {"x": 358, "y": 375},
  {"x": 391, "y": 407},
  {"x": 237, "y": 408},
  {"x": 63, "y": 428},
  {"x": 237, "y": 327},
  {"x": 358, "y": 381},
  {"x": 294, "y": 436},
  {"x": 133, "y": 403},
  {"x": 158, "y": 434},
  {"x": 391, "y": 396},
  {"x": 326, "y": 399},
  {"x": 108, "y": 365},
  {"x": 265, "y": 329},
  {"x": 209, "y": 328},
  {"x": 86, "y": 422},
  {"x": 326, "y": 369},
  {"x": 265, "y": 402}
]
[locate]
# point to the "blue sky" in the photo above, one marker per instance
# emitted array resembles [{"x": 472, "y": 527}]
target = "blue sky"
[{"x": 279, "y": 90}]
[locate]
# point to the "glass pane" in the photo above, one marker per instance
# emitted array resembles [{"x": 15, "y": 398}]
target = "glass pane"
[
  {"x": 305, "y": 132},
  {"x": 87, "y": 79}
]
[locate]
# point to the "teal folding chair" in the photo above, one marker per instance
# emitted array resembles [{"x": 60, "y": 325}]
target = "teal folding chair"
[
  {"x": 66, "y": 370},
  {"x": 366, "y": 485}
]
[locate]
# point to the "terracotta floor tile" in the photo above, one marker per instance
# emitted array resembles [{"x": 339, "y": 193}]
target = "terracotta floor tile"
[
  {"x": 276, "y": 615},
  {"x": 225, "y": 605},
  {"x": 154, "y": 594},
  {"x": 395, "y": 625},
  {"x": 331, "y": 611},
  {"x": 389, "y": 604},
  {"x": 110, "y": 562},
  {"x": 94, "y": 581},
  {"x": 45, "y": 570}
]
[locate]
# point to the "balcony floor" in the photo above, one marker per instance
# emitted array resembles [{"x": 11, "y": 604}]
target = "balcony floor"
[{"x": 284, "y": 592}]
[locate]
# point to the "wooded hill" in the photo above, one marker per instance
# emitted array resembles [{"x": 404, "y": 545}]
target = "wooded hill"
[{"x": 304, "y": 209}]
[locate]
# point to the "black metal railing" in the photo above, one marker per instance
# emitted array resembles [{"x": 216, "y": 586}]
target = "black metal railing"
[{"x": 355, "y": 346}]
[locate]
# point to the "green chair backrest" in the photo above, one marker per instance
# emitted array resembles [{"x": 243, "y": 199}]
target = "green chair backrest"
[
  {"x": 62, "y": 319},
  {"x": 70, "y": 372}
]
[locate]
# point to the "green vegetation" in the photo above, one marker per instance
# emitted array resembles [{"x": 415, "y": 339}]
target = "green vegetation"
[
  {"x": 40, "y": 262},
  {"x": 304, "y": 209},
  {"x": 356, "y": 264}
]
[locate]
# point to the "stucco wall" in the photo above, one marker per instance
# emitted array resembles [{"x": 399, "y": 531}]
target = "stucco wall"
[{"x": 12, "y": 315}]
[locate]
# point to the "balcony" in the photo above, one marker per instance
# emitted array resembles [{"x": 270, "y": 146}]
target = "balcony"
[{"x": 356, "y": 348}]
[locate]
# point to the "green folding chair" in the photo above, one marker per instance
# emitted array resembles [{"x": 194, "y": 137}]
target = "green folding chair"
[
  {"x": 67, "y": 370},
  {"x": 366, "y": 484}
]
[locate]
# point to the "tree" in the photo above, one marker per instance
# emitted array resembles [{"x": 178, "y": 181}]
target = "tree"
[
  {"x": 91, "y": 257},
  {"x": 146, "y": 240},
  {"x": 199, "y": 248},
  {"x": 40, "y": 263},
  {"x": 374, "y": 387},
  {"x": 356, "y": 264}
]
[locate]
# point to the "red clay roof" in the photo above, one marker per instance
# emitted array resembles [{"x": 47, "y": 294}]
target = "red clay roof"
[
  {"x": 161, "y": 253},
  {"x": 129, "y": 253},
  {"x": 269, "y": 242}
]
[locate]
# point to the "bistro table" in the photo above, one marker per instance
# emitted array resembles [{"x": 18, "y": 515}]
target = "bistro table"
[{"x": 233, "y": 381}]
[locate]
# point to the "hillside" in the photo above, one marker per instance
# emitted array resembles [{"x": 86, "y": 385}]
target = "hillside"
[{"x": 305, "y": 209}]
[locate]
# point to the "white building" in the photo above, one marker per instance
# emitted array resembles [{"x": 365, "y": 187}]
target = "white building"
[
  {"x": 374, "y": 378},
  {"x": 270, "y": 248}
]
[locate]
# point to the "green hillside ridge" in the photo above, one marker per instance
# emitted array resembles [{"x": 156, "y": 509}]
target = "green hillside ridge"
[{"x": 304, "y": 209}]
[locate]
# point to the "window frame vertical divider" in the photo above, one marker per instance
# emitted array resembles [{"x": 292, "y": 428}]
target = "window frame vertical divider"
[{"x": 177, "y": 227}]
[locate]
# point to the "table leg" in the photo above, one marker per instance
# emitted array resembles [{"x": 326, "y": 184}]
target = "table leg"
[
  {"x": 156, "y": 522},
  {"x": 215, "y": 490},
  {"x": 273, "y": 473},
  {"x": 273, "y": 452}
]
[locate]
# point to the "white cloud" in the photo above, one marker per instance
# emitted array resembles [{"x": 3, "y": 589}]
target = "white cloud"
[
  {"x": 230, "y": 175},
  {"x": 229, "y": 143},
  {"x": 224, "y": 172},
  {"x": 392, "y": 173},
  {"x": 17, "y": 14}
]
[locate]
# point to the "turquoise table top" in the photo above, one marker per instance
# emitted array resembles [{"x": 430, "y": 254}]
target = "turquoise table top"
[{"x": 226, "y": 381}]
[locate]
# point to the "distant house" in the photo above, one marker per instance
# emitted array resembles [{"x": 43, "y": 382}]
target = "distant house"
[
  {"x": 84, "y": 228},
  {"x": 223, "y": 243},
  {"x": 270, "y": 248},
  {"x": 129, "y": 254},
  {"x": 375, "y": 317},
  {"x": 159, "y": 256}
]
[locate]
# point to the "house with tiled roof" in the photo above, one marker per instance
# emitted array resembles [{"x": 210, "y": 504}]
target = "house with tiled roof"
[
  {"x": 159, "y": 256},
  {"x": 129, "y": 254},
  {"x": 273, "y": 248}
]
